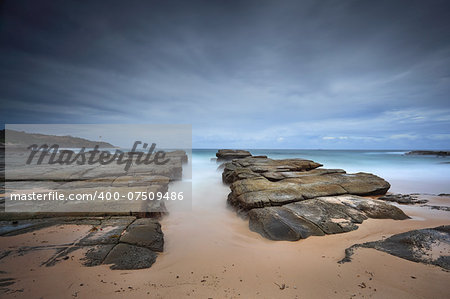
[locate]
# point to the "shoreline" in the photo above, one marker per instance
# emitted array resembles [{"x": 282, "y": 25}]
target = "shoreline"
[
  {"x": 227, "y": 260},
  {"x": 210, "y": 252}
]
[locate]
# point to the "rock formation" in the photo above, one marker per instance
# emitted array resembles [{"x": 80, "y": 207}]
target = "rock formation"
[
  {"x": 430, "y": 153},
  {"x": 428, "y": 246},
  {"x": 123, "y": 242},
  {"x": 227, "y": 154},
  {"x": 292, "y": 199},
  {"x": 407, "y": 199},
  {"x": 116, "y": 238}
]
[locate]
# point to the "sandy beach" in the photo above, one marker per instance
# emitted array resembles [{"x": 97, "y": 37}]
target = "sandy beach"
[
  {"x": 224, "y": 149},
  {"x": 210, "y": 253}
]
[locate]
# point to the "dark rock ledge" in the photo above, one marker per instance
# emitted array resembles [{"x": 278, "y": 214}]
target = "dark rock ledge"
[
  {"x": 126, "y": 236},
  {"x": 428, "y": 246},
  {"x": 227, "y": 155},
  {"x": 123, "y": 242},
  {"x": 292, "y": 199},
  {"x": 406, "y": 199}
]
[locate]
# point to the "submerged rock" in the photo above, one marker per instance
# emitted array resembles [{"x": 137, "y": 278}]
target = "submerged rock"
[
  {"x": 440, "y": 208},
  {"x": 428, "y": 246}
]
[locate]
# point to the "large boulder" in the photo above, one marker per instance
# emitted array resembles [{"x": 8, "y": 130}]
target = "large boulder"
[
  {"x": 318, "y": 216},
  {"x": 281, "y": 223}
]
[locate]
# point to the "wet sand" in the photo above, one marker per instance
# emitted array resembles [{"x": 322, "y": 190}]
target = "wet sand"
[{"x": 211, "y": 253}]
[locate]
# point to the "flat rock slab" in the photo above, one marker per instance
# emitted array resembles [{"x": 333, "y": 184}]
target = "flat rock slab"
[
  {"x": 96, "y": 201},
  {"x": 252, "y": 167},
  {"x": 95, "y": 182},
  {"x": 428, "y": 246},
  {"x": 125, "y": 242},
  {"x": 126, "y": 257},
  {"x": 318, "y": 216},
  {"x": 407, "y": 199},
  {"x": 17, "y": 227},
  {"x": 144, "y": 232},
  {"x": 260, "y": 192},
  {"x": 258, "y": 182},
  {"x": 96, "y": 254},
  {"x": 11, "y": 228},
  {"x": 227, "y": 154},
  {"x": 108, "y": 232}
]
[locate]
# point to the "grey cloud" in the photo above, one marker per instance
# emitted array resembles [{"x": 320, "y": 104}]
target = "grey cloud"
[{"x": 232, "y": 66}]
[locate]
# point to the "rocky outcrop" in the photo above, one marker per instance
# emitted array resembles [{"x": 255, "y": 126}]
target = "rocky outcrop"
[
  {"x": 406, "y": 199},
  {"x": 116, "y": 238},
  {"x": 430, "y": 153},
  {"x": 144, "y": 232},
  {"x": 273, "y": 170},
  {"x": 126, "y": 257},
  {"x": 291, "y": 199},
  {"x": 91, "y": 180},
  {"x": 26, "y": 139},
  {"x": 122, "y": 242},
  {"x": 318, "y": 216},
  {"x": 261, "y": 182},
  {"x": 228, "y": 154},
  {"x": 428, "y": 246}
]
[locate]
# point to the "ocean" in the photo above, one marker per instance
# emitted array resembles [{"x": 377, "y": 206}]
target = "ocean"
[{"x": 405, "y": 173}]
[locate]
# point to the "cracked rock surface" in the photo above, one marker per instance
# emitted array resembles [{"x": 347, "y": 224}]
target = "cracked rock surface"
[
  {"x": 122, "y": 242},
  {"x": 318, "y": 216},
  {"x": 88, "y": 180},
  {"x": 226, "y": 154},
  {"x": 121, "y": 234},
  {"x": 291, "y": 199}
]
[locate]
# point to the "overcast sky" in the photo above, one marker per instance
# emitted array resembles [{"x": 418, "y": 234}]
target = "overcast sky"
[{"x": 245, "y": 74}]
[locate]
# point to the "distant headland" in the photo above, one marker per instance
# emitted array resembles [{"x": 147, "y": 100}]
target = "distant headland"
[
  {"x": 429, "y": 153},
  {"x": 20, "y": 139}
]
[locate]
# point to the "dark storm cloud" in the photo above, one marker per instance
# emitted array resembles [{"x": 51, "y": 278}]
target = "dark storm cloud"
[{"x": 281, "y": 73}]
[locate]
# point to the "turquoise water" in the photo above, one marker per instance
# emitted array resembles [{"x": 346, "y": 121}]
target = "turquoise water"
[{"x": 406, "y": 173}]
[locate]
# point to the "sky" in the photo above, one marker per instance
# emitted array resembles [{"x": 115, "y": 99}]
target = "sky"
[{"x": 245, "y": 74}]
